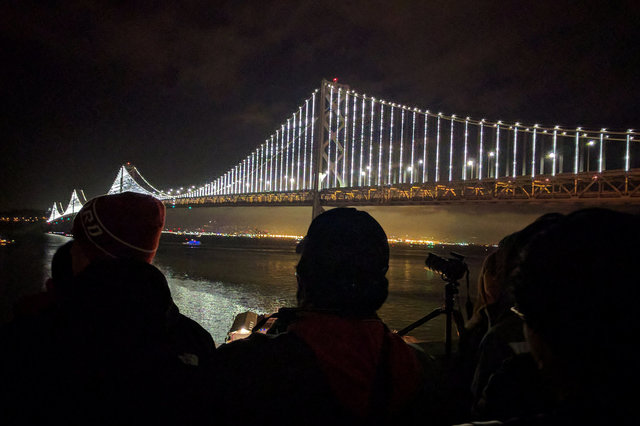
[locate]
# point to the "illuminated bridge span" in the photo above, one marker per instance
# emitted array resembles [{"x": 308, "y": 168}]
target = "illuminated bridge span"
[
  {"x": 341, "y": 147},
  {"x": 127, "y": 179}
]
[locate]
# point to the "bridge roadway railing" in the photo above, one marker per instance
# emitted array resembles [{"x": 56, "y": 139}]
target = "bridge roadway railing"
[
  {"x": 608, "y": 186},
  {"x": 293, "y": 198},
  {"x": 583, "y": 186}
]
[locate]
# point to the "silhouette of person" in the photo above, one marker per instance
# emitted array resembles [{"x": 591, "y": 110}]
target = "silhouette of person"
[
  {"x": 114, "y": 348},
  {"x": 575, "y": 290},
  {"x": 61, "y": 269},
  {"x": 504, "y": 338},
  {"x": 56, "y": 286},
  {"x": 330, "y": 360}
]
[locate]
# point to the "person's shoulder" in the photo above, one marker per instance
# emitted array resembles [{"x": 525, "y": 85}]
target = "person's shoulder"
[
  {"x": 193, "y": 343},
  {"x": 282, "y": 361},
  {"x": 509, "y": 326},
  {"x": 251, "y": 377},
  {"x": 264, "y": 354},
  {"x": 264, "y": 343},
  {"x": 186, "y": 324},
  {"x": 503, "y": 333}
]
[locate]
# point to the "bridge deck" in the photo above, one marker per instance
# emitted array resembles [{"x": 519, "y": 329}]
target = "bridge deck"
[{"x": 610, "y": 186}]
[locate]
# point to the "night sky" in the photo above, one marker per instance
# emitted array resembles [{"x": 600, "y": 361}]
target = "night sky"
[{"x": 184, "y": 90}]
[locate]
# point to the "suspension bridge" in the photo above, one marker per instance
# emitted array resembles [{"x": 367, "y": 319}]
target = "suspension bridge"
[{"x": 341, "y": 147}]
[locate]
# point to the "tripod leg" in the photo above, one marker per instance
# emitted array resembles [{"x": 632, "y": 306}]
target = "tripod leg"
[
  {"x": 457, "y": 317},
  {"x": 421, "y": 321}
]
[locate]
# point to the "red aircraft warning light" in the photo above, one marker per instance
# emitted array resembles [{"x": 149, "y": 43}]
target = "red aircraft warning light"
[{"x": 335, "y": 79}]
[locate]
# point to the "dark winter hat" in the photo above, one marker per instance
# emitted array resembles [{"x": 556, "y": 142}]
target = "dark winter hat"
[
  {"x": 345, "y": 256},
  {"x": 126, "y": 225}
]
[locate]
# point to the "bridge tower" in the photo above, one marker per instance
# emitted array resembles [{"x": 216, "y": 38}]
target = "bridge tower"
[{"x": 332, "y": 104}]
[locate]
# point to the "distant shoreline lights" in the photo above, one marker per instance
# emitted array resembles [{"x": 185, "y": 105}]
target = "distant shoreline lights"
[{"x": 391, "y": 240}]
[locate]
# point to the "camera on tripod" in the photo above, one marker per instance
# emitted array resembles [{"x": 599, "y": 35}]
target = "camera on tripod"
[{"x": 451, "y": 269}]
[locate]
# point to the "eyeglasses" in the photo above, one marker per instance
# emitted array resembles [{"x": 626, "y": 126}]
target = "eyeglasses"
[{"x": 518, "y": 313}]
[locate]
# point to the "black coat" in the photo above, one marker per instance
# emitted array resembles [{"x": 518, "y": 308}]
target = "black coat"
[
  {"x": 313, "y": 372},
  {"x": 115, "y": 351}
]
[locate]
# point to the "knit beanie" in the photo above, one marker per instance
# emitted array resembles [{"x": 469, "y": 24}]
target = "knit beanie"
[{"x": 126, "y": 225}]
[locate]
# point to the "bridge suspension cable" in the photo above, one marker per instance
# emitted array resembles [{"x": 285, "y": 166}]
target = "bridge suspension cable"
[{"x": 339, "y": 138}]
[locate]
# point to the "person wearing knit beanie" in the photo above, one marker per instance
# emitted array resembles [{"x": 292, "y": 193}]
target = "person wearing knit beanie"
[
  {"x": 122, "y": 226},
  {"x": 111, "y": 339}
]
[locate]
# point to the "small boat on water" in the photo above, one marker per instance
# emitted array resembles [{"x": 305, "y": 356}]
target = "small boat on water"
[{"x": 192, "y": 243}]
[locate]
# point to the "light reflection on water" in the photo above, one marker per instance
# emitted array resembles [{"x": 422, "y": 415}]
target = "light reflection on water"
[{"x": 214, "y": 282}]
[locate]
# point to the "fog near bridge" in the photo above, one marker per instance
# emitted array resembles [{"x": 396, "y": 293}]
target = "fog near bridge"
[{"x": 478, "y": 223}]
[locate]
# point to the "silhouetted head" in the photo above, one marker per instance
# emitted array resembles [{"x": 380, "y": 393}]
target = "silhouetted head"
[
  {"x": 577, "y": 290},
  {"x": 510, "y": 246},
  {"x": 123, "y": 226},
  {"x": 497, "y": 289},
  {"x": 487, "y": 284},
  {"x": 345, "y": 256}
]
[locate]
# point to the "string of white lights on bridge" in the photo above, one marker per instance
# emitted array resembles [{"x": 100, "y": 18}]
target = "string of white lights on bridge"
[
  {"x": 338, "y": 138},
  {"x": 372, "y": 141}
]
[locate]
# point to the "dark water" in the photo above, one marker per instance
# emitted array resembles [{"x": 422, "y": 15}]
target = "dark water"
[
  {"x": 225, "y": 276},
  {"x": 24, "y": 266}
]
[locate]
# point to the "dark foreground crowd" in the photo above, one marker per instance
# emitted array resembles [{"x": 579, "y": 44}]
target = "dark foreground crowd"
[{"x": 551, "y": 340}]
